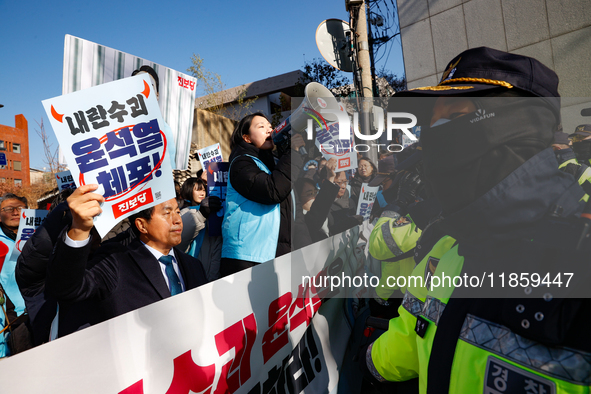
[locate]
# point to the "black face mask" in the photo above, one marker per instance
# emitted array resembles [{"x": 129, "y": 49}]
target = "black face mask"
[
  {"x": 466, "y": 157},
  {"x": 582, "y": 151}
]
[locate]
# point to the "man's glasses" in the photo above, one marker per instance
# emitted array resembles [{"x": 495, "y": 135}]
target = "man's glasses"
[{"x": 12, "y": 209}]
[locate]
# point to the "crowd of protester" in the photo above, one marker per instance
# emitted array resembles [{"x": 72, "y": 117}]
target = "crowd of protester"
[
  {"x": 280, "y": 200},
  {"x": 68, "y": 278},
  {"x": 323, "y": 203}
]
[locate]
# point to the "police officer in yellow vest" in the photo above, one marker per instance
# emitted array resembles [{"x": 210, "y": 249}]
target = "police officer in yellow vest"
[
  {"x": 563, "y": 148},
  {"x": 507, "y": 210},
  {"x": 567, "y": 160},
  {"x": 581, "y": 141},
  {"x": 408, "y": 209},
  {"x": 392, "y": 241},
  {"x": 394, "y": 235}
]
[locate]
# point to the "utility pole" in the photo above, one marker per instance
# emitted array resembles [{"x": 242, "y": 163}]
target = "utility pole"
[
  {"x": 371, "y": 41},
  {"x": 363, "y": 54},
  {"x": 363, "y": 58}
]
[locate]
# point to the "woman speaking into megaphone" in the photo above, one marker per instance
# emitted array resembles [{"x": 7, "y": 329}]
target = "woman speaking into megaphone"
[{"x": 257, "y": 225}]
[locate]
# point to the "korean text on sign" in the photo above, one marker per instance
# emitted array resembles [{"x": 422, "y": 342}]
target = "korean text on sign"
[
  {"x": 111, "y": 135},
  {"x": 29, "y": 221}
]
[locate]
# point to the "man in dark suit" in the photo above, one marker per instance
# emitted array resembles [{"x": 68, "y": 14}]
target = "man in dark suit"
[{"x": 121, "y": 278}]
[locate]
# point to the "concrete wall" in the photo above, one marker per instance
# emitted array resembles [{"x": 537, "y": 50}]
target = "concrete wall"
[
  {"x": 37, "y": 176},
  {"x": 556, "y": 32}
]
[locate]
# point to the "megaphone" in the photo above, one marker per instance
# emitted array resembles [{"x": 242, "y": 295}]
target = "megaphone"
[{"x": 316, "y": 98}]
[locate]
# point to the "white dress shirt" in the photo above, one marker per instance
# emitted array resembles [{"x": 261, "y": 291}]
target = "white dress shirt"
[{"x": 78, "y": 244}]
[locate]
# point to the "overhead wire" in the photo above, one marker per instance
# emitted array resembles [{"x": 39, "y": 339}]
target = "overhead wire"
[{"x": 384, "y": 35}]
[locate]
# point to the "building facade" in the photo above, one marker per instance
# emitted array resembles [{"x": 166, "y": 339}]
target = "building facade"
[
  {"x": 14, "y": 143},
  {"x": 266, "y": 94},
  {"x": 556, "y": 32}
]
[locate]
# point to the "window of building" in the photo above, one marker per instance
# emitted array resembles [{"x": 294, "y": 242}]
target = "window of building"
[
  {"x": 16, "y": 148},
  {"x": 2, "y": 146},
  {"x": 18, "y": 182},
  {"x": 2, "y": 167},
  {"x": 16, "y": 165},
  {"x": 2, "y": 180}
]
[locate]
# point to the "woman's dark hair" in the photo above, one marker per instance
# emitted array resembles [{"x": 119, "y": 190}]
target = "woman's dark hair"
[
  {"x": 243, "y": 128},
  {"x": 189, "y": 185},
  {"x": 374, "y": 169},
  {"x": 150, "y": 71}
]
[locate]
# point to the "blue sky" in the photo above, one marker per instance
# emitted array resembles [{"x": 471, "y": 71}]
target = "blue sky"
[{"x": 240, "y": 40}]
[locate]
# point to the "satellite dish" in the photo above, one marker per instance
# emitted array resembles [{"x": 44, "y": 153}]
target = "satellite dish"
[{"x": 332, "y": 42}]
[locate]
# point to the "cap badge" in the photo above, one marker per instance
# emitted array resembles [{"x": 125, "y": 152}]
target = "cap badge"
[{"x": 450, "y": 71}]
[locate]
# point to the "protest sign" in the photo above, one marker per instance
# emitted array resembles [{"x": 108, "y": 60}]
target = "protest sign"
[
  {"x": 30, "y": 220},
  {"x": 217, "y": 183},
  {"x": 366, "y": 200},
  {"x": 260, "y": 330},
  {"x": 110, "y": 135},
  {"x": 212, "y": 153},
  {"x": 65, "y": 180},
  {"x": 406, "y": 141},
  {"x": 328, "y": 142},
  {"x": 88, "y": 64}
]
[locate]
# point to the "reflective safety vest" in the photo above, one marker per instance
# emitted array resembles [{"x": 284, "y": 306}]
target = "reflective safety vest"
[
  {"x": 488, "y": 357},
  {"x": 582, "y": 175},
  {"x": 400, "y": 354},
  {"x": 391, "y": 237}
]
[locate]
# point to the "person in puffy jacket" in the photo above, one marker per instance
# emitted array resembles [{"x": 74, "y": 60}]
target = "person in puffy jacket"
[{"x": 257, "y": 221}]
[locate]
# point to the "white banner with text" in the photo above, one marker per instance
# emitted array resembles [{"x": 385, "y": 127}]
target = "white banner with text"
[{"x": 261, "y": 330}]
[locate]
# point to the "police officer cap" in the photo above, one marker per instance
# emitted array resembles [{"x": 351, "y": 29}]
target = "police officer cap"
[
  {"x": 482, "y": 69},
  {"x": 581, "y": 132}
]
